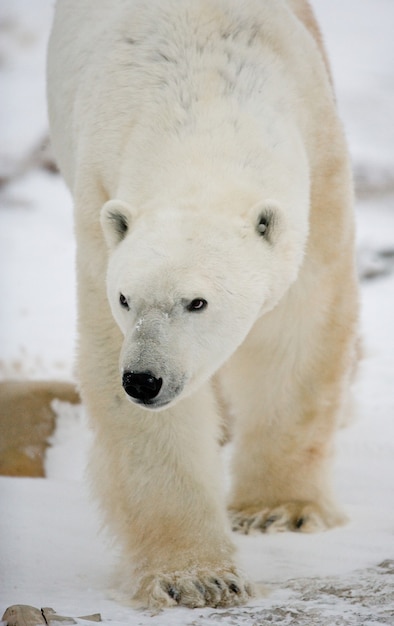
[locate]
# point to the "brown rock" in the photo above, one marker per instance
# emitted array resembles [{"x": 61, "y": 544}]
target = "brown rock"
[{"x": 27, "y": 420}]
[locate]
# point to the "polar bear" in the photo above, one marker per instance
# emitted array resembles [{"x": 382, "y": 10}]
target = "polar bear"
[{"x": 216, "y": 275}]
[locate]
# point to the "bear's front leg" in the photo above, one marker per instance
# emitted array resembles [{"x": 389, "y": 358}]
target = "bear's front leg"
[
  {"x": 283, "y": 483},
  {"x": 288, "y": 386},
  {"x": 158, "y": 477}
]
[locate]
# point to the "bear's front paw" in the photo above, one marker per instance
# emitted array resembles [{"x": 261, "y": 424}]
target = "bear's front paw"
[
  {"x": 193, "y": 588},
  {"x": 296, "y": 516}
]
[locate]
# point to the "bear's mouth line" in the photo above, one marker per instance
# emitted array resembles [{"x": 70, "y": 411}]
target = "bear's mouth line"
[{"x": 150, "y": 404}]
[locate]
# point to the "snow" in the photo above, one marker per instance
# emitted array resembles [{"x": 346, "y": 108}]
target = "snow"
[{"x": 51, "y": 551}]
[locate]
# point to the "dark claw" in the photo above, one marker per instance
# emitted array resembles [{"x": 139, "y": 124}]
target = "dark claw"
[
  {"x": 217, "y": 583},
  {"x": 174, "y": 593},
  {"x": 199, "y": 587},
  {"x": 299, "y": 523},
  {"x": 234, "y": 588},
  {"x": 270, "y": 520}
]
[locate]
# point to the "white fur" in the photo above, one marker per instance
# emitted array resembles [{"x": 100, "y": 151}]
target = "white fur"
[{"x": 178, "y": 126}]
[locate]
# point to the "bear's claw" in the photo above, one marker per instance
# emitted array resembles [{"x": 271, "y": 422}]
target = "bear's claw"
[
  {"x": 193, "y": 590},
  {"x": 304, "y": 517}
]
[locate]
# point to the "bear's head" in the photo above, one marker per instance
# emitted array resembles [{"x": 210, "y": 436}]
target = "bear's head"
[{"x": 185, "y": 288}]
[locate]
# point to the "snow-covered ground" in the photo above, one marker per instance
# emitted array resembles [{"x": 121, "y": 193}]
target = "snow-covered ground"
[{"x": 50, "y": 551}]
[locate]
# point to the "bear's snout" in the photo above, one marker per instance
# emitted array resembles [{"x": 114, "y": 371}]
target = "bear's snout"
[{"x": 141, "y": 386}]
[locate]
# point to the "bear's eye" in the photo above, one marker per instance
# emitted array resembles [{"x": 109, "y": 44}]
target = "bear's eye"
[
  {"x": 198, "y": 304},
  {"x": 123, "y": 302}
]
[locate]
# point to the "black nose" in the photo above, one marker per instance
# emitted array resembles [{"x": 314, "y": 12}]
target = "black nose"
[{"x": 142, "y": 386}]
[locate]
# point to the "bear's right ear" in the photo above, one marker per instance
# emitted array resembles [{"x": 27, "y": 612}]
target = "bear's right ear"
[{"x": 115, "y": 221}]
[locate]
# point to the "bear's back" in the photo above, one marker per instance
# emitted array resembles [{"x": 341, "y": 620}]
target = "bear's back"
[{"x": 165, "y": 63}]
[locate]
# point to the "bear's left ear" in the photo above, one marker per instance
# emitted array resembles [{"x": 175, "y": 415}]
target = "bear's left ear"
[
  {"x": 115, "y": 219},
  {"x": 267, "y": 218}
]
